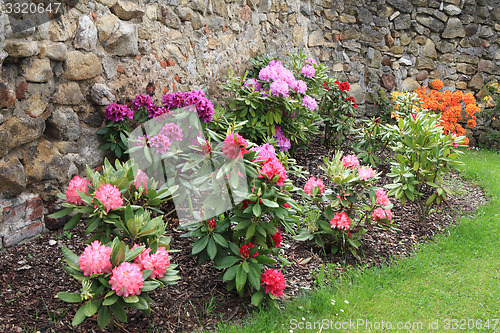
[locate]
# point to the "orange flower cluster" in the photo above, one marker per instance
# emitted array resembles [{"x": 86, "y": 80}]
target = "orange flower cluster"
[{"x": 449, "y": 104}]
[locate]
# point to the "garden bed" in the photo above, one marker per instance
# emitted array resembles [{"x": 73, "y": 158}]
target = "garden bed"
[{"x": 31, "y": 274}]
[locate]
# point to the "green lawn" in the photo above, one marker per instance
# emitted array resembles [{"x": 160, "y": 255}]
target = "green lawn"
[{"x": 453, "y": 282}]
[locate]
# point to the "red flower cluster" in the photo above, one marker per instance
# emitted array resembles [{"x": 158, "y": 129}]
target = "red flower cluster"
[
  {"x": 343, "y": 86},
  {"x": 212, "y": 224},
  {"x": 274, "y": 281},
  {"x": 245, "y": 250},
  {"x": 277, "y": 238},
  {"x": 352, "y": 100}
]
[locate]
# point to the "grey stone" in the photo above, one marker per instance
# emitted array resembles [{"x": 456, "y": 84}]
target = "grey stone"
[
  {"x": 424, "y": 63},
  {"x": 405, "y": 61},
  {"x": 454, "y": 28},
  {"x": 388, "y": 81},
  {"x": 56, "y": 51},
  {"x": 409, "y": 84},
  {"x": 36, "y": 105},
  {"x": 486, "y": 31},
  {"x": 63, "y": 124},
  {"x": 357, "y": 92},
  {"x": 219, "y": 7},
  {"x": 68, "y": 94},
  {"x": 42, "y": 161},
  {"x": 38, "y": 70},
  {"x": 81, "y": 66},
  {"x": 401, "y": 5},
  {"x": 316, "y": 38},
  {"x": 373, "y": 58},
  {"x": 168, "y": 17},
  {"x": 86, "y": 34},
  {"x": 452, "y": 10},
  {"x": 402, "y": 22},
  {"x": 422, "y": 75},
  {"x": 61, "y": 29},
  {"x": 440, "y": 15},
  {"x": 127, "y": 10},
  {"x": 429, "y": 50},
  {"x": 123, "y": 40},
  {"x": 101, "y": 94},
  {"x": 465, "y": 68},
  {"x": 364, "y": 16},
  {"x": 12, "y": 176},
  {"x": 88, "y": 150},
  {"x": 430, "y": 22},
  {"x": 487, "y": 66},
  {"x": 20, "y": 48},
  {"x": 445, "y": 47},
  {"x": 476, "y": 83},
  {"x": 468, "y": 59}
]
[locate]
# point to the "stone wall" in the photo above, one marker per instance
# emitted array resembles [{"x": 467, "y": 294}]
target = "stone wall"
[{"x": 57, "y": 78}]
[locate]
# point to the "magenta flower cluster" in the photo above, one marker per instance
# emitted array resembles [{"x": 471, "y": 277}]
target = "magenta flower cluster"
[
  {"x": 163, "y": 140},
  {"x": 282, "y": 141},
  {"x": 309, "y": 102},
  {"x": 282, "y": 79},
  {"x": 204, "y": 106},
  {"x": 118, "y": 112},
  {"x": 145, "y": 101},
  {"x": 308, "y": 71}
]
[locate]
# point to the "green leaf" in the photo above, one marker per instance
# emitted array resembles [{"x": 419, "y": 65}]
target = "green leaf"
[
  {"x": 230, "y": 274},
  {"x": 257, "y": 298},
  {"x": 131, "y": 299},
  {"x": 200, "y": 245},
  {"x": 119, "y": 312},
  {"x": 220, "y": 240},
  {"x": 250, "y": 231},
  {"x": 130, "y": 255},
  {"x": 71, "y": 258},
  {"x": 270, "y": 203},
  {"x": 254, "y": 276},
  {"x": 257, "y": 209},
  {"x": 211, "y": 248},
  {"x": 227, "y": 262},
  {"x": 103, "y": 316},
  {"x": 149, "y": 286},
  {"x": 69, "y": 297},
  {"x": 90, "y": 308},
  {"x": 61, "y": 213},
  {"x": 79, "y": 316},
  {"x": 110, "y": 300},
  {"x": 241, "y": 278},
  {"x": 118, "y": 254},
  {"x": 146, "y": 273},
  {"x": 73, "y": 221}
]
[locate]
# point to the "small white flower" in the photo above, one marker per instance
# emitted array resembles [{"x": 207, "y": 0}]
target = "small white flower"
[
  {"x": 332, "y": 302},
  {"x": 303, "y": 318},
  {"x": 346, "y": 302},
  {"x": 341, "y": 310}
]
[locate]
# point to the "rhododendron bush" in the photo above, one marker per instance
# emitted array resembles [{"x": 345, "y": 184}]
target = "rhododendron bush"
[
  {"x": 424, "y": 153},
  {"x": 242, "y": 241},
  {"x": 115, "y": 277},
  {"x": 348, "y": 207},
  {"x": 278, "y": 100}
]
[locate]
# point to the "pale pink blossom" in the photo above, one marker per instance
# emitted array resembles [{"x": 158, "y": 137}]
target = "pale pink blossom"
[
  {"x": 141, "y": 180},
  {"x": 234, "y": 146},
  {"x": 95, "y": 259},
  {"x": 340, "y": 221},
  {"x": 350, "y": 161},
  {"x": 382, "y": 198},
  {"x": 158, "y": 262},
  {"x": 312, "y": 183},
  {"x": 381, "y": 213},
  {"x": 273, "y": 167},
  {"x": 126, "y": 279},
  {"x": 75, "y": 184},
  {"x": 110, "y": 196},
  {"x": 365, "y": 173}
]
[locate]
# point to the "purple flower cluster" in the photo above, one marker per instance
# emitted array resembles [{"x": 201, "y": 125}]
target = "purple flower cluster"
[
  {"x": 204, "y": 106},
  {"x": 311, "y": 61},
  {"x": 299, "y": 86},
  {"x": 279, "y": 88},
  {"x": 146, "y": 101},
  {"x": 308, "y": 71},
  {"x": 266, "y": 151},
  {"x": 281, "y": 141},
  {"x": 309, "y": 102},
  {"x": 163, "y": 140},
  {"x": 253, "y": 84},
  {"x": 118, "y": 112},
  {"x": 280, "y": 76}
]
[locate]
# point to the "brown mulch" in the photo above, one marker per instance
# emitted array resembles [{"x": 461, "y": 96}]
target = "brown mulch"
[{"x": 31, "y": 274}]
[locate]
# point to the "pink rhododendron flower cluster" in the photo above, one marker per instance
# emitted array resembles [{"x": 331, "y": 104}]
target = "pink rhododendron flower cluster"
[
  {"x": 234, "y": 146},
  {"x": 311, "y": 61},
  {"x": 341, "y": 221},
  {"x": 253, "y": 84},
  {"x": 95, "y": 259},
  {"x": 350, "y": 161},
  {"x": 309, "y": 102},
  {"x": 162, "y": 141},
  {"x": 75, "y": 184},
  {"x": 110, "y": 196},
  {"x": 126, "y": 280},
  {"x": 118, "y": 112},
  {"x": 299, "y": 86},
  {"x": 274, "y": 281},
  {"x": 365, "y": 173},
  {"x": 312, "y": 183},
  {"x": 282, "y": 141},
  {"x": 308, "y": 71},
  {"x": 158, "y": 262},
  {"x": 266, "y": 151},
  {"x": 382, "y": 198},
  {"x": 145, "y": 101},
  {"x": 204, "y": 106},
  {"x": 279, "y": 88},
  {"x": 381, "y": 213},
  {"x": 277, "y": 238},
  {"x": 273, "y": 167},
  {"x": 141, "y": 180}
]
